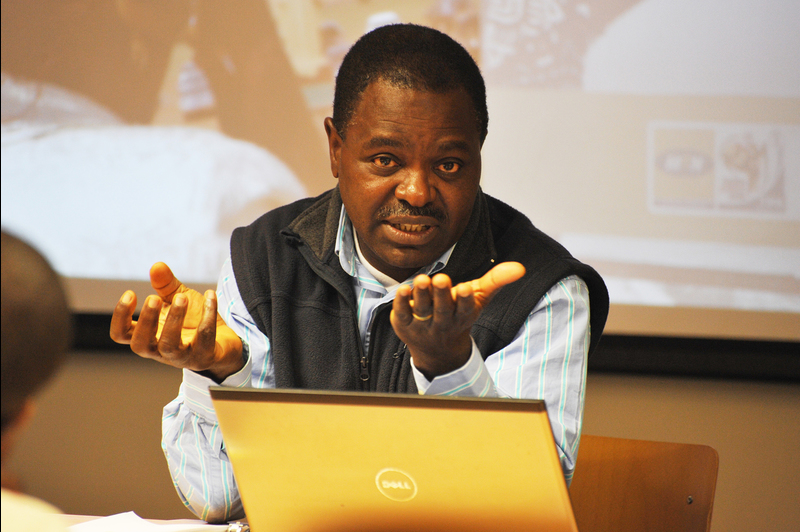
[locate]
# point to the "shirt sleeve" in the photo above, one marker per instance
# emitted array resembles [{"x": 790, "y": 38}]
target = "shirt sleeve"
[
  {"x": 191, "y": 438},
  {"x": 546, "y": 360}
]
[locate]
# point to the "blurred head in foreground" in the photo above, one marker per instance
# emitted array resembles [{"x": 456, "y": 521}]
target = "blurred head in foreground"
[{"x": 36, "y": 331}]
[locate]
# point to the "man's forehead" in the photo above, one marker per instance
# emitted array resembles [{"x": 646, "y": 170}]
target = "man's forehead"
[
  {"x": 398, "y": 141},
  {"x": 388, "y": 119},
  {"x": 397, "y": 95},
  {"x": 384, "y": 141}
]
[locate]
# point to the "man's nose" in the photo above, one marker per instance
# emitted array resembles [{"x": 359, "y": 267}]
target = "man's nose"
[{"x": 416, "y": 187}]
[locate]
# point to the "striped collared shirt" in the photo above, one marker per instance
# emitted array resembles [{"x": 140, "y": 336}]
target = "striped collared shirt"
[{"x": 546, "y": 360}]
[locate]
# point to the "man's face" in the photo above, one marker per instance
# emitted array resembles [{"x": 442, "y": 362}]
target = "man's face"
[{"x": 409, "y": 171}]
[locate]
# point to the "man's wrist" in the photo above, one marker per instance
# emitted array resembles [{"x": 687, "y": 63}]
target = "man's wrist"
[
  {"x": 233, "y": 362},
  {"x": 470, "y": 379},
  {"x": 235, "y": 379},
  {"x": 434, "y": 365},
  {"x": 219, "y": 376}
]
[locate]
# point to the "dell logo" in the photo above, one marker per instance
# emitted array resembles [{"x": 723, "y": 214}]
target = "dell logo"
[{"x": 396, "y": 485}]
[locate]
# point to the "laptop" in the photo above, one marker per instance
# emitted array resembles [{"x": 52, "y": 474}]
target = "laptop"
[{"x": 335, "y": 461}]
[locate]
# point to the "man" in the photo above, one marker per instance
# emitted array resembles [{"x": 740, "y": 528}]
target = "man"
[
  {"x": 36, "y": 332},
  {"x": 393, "y": 281}
]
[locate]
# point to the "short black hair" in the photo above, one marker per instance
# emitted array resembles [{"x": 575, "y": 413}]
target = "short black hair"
[
  {"x": 36, "y": 324},
  {"x": 407, "y": 56}
]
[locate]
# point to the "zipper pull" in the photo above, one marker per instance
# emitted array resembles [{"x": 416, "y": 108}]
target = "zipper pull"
[
  {"x": 399, "y": 352},
  {"x": 364, "y": 369}
]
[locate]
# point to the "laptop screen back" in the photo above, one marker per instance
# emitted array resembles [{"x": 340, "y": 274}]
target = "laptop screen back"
[{"x": 332, "y": 461}]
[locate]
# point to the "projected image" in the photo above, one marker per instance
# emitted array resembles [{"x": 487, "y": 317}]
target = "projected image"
[
  {"x": 670, "y": 128},
  {"x": 658, "y": 140},
  {"x": 136, "y": 131},
  {"x": 724, "y": 170},
  {"x": 543, "y": 43}
]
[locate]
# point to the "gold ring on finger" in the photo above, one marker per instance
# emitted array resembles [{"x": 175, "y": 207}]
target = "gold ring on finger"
[{"x": 422, "y": 318}]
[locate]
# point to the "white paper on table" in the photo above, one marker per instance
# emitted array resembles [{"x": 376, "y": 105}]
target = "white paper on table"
[{"x": 130, "y": 522}]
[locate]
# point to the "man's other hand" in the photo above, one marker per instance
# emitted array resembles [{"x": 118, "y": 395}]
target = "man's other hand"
[
  {"x": 434, "y": 318},
  {"x": 179, "y": 327}
]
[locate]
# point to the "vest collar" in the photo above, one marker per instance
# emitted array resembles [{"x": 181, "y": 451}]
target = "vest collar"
[{"x": 473, "y": 255}]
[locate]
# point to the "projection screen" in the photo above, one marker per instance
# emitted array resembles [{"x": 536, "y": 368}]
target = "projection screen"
[{"x": 658, "y": 140}]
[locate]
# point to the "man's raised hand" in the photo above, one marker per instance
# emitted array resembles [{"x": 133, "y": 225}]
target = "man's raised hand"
[
  {"x": 179, "y": 327},
  {"x": 434, "y": 318}
]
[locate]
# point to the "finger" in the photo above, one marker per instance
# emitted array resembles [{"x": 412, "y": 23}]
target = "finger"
[
  {"x": 164, "y": 281},
  {"x": 143, "y": 340},
  {"x": 443, "y": 304},
  {"x": 423, "y": 300},
  {"x": 122, "y": 319},
  {"x": 498, "y": 277},
  {"x": 205, "y": 341},
  {"x": 169, "y": 343},
  {"x": 401, "y": 306},
  {"x": 465, "y": 300}
]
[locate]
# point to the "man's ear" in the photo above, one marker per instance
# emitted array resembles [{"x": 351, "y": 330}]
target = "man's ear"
[{"x": 334, "y": 146}]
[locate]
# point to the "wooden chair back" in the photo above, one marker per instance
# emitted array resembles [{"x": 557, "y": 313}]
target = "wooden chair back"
[{"x": 625, "y": 485}]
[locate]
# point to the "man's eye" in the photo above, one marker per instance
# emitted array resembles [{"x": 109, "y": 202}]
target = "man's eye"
[
  {"x": 384, "y": 161},
  {"x": 449, "y": 167}
]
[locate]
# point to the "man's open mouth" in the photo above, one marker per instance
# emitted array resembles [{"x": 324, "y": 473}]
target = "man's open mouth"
[{"x": 411, "y": 228}]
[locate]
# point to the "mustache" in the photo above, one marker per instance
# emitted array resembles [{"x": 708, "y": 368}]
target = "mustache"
[{"x": 405, "y": 209}]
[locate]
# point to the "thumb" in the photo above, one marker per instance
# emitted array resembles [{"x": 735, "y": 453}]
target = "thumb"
[
  {"x": 496, "y": 278},
  {"x": 164, "y": 281}
]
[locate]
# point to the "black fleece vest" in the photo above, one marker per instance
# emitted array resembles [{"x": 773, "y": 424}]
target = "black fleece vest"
[{"x": 298, "y": 295}]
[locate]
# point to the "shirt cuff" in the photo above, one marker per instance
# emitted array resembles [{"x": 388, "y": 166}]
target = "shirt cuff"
[
  {"x": 471, "y": 379},
  {"x": 194, "y": 388}
]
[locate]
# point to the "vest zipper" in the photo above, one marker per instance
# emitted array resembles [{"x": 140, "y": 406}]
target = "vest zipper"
[
  {"x": 325, "y": 273},
  {"x": 363, "y": 362},
  {"x": 365, "y": 355}
]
